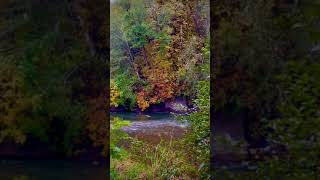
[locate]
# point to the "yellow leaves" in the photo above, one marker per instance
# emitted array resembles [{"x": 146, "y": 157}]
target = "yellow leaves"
[
  {"x": 159, "y": 74},
  {"x": 13, "y": 103},
  {"x": 114, "y": 94},
  {"x": 141, "y": 101},
  {"x": 17, "y": 135},
  {"x": 153, "y": 100},
  {"x": 181, "y": 72},
  {"x": 168, "y": 30},
  {"x": 97, "y": 122}
]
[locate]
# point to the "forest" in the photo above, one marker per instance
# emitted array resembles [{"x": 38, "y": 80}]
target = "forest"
[
  {"x": 159, "y": 51},
  {"x": 53, "y": 80},
  {"x": 159, "y": 55},
  {"x": 165, "y": 89},
  {"x": 266, "y": 78}
]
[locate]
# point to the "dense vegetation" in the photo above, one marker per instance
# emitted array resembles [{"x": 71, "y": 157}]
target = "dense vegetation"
[
  {"x": 52, "y": 74},
  {"x": 158, "y": 51},
  {"x": 186, "y": 158},
  {"x": 266, "y": 58}
]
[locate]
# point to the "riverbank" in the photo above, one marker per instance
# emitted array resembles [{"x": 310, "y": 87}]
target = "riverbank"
[
  {"x": 155, "y": 136},
  {"x": 178, "y": 106}
]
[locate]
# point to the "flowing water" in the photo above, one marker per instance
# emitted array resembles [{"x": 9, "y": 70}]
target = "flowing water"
[{"x": 152, "y": 127}]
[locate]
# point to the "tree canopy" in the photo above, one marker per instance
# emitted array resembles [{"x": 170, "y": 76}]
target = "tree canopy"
[{"x": 157, "y": 50}]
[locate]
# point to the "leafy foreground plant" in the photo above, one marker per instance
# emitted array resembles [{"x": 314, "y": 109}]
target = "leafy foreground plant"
[
  {"x": 139, "y": 160},
  {"x": 117, "y": 135},
  {"x": 297, "y": 128},
  {"x": 167, "y": 160},
  {"x": 184, "y": 159},
  {"x": 197, "y": 139}
]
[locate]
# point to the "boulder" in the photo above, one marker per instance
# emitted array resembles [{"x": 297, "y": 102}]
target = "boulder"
[{"x": 178, "y": 105}]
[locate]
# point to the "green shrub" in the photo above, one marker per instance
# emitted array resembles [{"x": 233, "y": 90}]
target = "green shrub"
[{"x": 116, "y": 135}]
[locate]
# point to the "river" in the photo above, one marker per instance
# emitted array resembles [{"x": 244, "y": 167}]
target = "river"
[{"x": 152, "y": 127}]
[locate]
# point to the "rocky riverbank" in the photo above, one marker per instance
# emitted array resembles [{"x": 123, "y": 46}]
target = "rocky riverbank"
[{"x": 177, "y": 105}]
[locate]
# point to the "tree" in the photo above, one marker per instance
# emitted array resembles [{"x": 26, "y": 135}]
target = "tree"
[{"x": 49, "y": 71}]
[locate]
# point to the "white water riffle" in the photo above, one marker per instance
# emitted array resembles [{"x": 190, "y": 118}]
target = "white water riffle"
[{"x": 142, "y": 125}]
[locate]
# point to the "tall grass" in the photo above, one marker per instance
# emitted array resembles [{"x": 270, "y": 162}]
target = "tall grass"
[{"x": 165, "y": 160}]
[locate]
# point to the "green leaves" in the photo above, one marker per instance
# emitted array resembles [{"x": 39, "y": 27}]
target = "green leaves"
[
  {"x": 298, "y": 127},
  {"x": 46, "y": 51},
  {"x": 164, "y": 39},
  {"x": 159, "y": 46},
  {"x": 199, "y": 136},
  {"x": 125, "y": 83},
  {"x": 116, "y": 135},
  {"x": 138, "y": 35},
  {"x": 137, "y": 29}
]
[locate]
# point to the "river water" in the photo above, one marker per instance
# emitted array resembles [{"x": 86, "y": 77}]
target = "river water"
[
  {"x": 152, "y": 127},
  {"x": 140, "y": 122}
]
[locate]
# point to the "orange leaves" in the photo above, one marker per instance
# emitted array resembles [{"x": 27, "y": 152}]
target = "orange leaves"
[
  {"x": 141, "y": 100},
  {"x": 161, "y": 89},
  {"x": 166, "y": 64},
  {"x": 114, "y": 94},
  {"x": 97, "y": 124},
  {"x": 160, "y": 77}
]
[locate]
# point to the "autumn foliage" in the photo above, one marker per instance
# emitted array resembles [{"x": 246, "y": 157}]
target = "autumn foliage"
[{"x": 162, "y": 48}]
